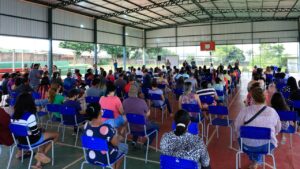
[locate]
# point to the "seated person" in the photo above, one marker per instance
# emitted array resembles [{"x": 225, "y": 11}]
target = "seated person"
[
  {"x": 5, "y": 134},
  {"x": 163, "y": 101},
  {"x": 73, "y": 102},
  {"x": 94, "y": 90},
  {"x": 24, "y": 114},
  {"x": 113, "y": 103},
  {"x": 205, "y": 91},
  {"x": 120, "y": 82},
  {"x": 219, "y": 86},
  {"x": 69, "y": 83},
  {"x": 133, "y": 104},
  {"x": 268, "y": 118},
  {"x": 96, "y": 128},
  {"x": 180, "y": 143},
  {"x": 55, "y": 97},
  {"x": 188, "y": 97}
]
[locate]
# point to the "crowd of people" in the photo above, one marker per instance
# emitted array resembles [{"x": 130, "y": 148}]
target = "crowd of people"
[{"x": 130, "y": 91}]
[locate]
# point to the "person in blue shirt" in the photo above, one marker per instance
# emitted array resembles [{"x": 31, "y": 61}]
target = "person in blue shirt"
[{"x": 69, "y": 83}]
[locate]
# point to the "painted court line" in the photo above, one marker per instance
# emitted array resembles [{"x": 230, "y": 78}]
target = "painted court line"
[{"x": 73, "y": 163}]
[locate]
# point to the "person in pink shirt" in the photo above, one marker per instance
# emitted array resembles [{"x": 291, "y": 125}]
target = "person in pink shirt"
[{"x": 113, "y": 103}]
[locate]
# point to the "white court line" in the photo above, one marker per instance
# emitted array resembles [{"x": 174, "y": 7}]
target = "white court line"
[{"x": 74, "y": 162}]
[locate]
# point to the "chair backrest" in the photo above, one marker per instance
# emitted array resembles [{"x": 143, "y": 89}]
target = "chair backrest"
[
  {"x": 269, "y": 77},
  {"x": 92, "y": 99},
  {"x": 192, "y": 108},
  {"x": 193, "y": 128},
  {"x": 14, "y": 94},
  {"x": 218, "y": 110},
  {"x": 67, "y": 111},
  {"x": 220, "y": 92},
  {"x": 296, "y": 104},
  {"x": 178, "y": 91},
  {"x": 207, "y": 99},
  {"x": 136, "y": 119},
  {"x": 93, "y": 143},
  {"x": 109, "y": 114},
  {"x": 161, "y": 86},
  {"x": 54, "y": 107},
  {"x": 12, "y": 101},
  {"x": 36, "y": 95},
  {"x": 258, "y": 133},
  {"x": 287, "y": 115},
  {"x": 170, "y": 162},
  {"x": 153, "y": 96},
  {"x": 18, "y": 130}
]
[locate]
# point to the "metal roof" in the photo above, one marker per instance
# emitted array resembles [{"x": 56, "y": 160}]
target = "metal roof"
[{"x": 156, "y": 14}]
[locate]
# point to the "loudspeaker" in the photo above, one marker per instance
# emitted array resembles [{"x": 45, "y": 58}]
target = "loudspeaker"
[{"x": 159, "y": 58}]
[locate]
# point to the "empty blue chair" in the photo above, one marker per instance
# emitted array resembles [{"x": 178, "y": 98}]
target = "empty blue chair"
[
  {"x": 92, "y": 144},
  {"x": 170, "y": 162},
  {"x": 136, "y": 119},
  {"x": 289, "y": 116},
  {"x": 207, "y": 99},
  {"x": 218, "y": 121},
  {"x": 69, "y": 118},
  {"x": 192, "y": 128},
  {"x": 91, "y": 99},
  {"x": 157, "y": 97},
  {"x": 194, "y": 108},
  {"x": 51, "y": 108},
  {"x": 254, "y": 133},
  {"x": 22, "y": 131}
]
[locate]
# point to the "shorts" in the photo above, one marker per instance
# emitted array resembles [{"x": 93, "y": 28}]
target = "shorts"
[
  {"x": 115, "y": 123},
  {"x": 41, "y": 140}
]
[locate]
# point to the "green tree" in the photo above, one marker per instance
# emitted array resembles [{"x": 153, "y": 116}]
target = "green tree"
[
  {"x": 153, "y": 52},
  {"x": 77, "y": 47},
  {"x": 229, "y": 54}
]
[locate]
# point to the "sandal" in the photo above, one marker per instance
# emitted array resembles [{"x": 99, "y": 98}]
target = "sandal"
[{"x": 42, "y": 158}]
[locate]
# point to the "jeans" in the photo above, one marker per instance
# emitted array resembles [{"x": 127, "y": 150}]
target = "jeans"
[
  {"x": 252, "y": 152},
  {"x": 150, "y": 127}
]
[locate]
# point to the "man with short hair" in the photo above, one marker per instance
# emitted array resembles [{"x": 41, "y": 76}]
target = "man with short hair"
[{"x": 34, "y": 77}]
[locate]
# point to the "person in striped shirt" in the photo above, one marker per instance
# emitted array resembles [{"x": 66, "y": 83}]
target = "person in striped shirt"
[{"x": 24, "y": 114}]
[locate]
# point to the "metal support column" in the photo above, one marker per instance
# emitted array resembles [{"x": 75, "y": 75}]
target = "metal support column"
[
  {"x": 95, "y": 47},
  {"x": 211, "y": 39},
  {"x": 252, "y": 43},
  {"x": 124, "y": 48},
  {"x": 50, "y": 38},
  {"x": 298, "y": 61},
  {"x": 144, "y": 48}
]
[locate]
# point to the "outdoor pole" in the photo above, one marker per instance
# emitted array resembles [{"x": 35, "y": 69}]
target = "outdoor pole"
[
  {"x": 13, "y": 60},
  {"x": 298, "y": 62},
  {"x": 144, "y": 48},
  {"x": 124, "y": 47},
  {"x": 95, "y": 47},
  {"x": 50, "y": 38},
  {"x": 211, "y": 39},
  {"x": 252, "y": 43},
  {"x": 22, "y": 59}
]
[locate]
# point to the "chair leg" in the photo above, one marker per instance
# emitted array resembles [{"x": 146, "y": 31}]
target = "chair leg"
[
  {"x": 156, "y": 144},
  {"x": 162, "y": 115},
  {"x": 124, "y": 162},
  {"x": 231, "y": 136},
  {"x": 202, "y": 133},
  {"x": 237, "y": 160},
  {"x": 22, "y": 156},
  {"x": 52, "y": 142},
  {"x": 147, "y": 149},
  {"x": 82, "y": 164},
  {"x": 207, "y": 134},
  {"x": 30, "y": 161},
  {"x": 10, "y": 156},
  {"x": 291, "y": 140},
  {"x": 63, "y": 137},
  {"x": 217, "y": 127},
  {"x": 274, "y": 162},
  {"x": 264, "y": 162},
  {"x": 77, "y": 135}
]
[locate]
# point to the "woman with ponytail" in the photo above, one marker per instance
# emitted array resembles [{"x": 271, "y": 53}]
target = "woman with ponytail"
[
  {"x": 55, "y": 98},
  {"x": 180, "y": 143}
]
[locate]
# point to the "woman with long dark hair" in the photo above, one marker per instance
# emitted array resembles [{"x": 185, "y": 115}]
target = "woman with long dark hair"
[
  {"x": 180, "y": 143},
  {"x": 24, "y": 114}
]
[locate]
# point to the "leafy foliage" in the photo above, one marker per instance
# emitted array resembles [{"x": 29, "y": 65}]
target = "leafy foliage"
[{"x": 229, "y": 54}]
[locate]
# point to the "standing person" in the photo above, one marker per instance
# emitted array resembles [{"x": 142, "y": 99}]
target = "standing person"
[
  {"x": 24, "y": 114},
  {"x": 180, "y": 143},
  {"x": 115, "y": 64},
  {"x": 34, "y": 77},
  {"x": 96, "y": 128},
  {"x": 168, "y": 64},
  {"x": 267, "y": 118},
  {"x": 193, "y": 63},
  {"x": 120, "y": 82},
  {"x": 69, "y": 83},
  {"x": 135, "y": 105}
]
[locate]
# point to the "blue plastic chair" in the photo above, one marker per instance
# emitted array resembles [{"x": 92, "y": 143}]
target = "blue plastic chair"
[
  {"x": 136, "y": 119},
  {"x": 207, "y": 99},
  {"x": 254, "y": 133},
  {"x": 219, "y": 122},
  {"x": 91, "y": 99},
  {"x": 192, "y": 128},
  {"x": 145, "y": 91},
  {"x": 157, "y": 97},
  {"x": 51, "y": 108},
  {"x": 91, "y": 144},
  {"x": 170, "y": 162},
  {"x": 194, "y": 108},
  {"x": 178, "y": 92},
  {"x": 221, "y": 93},
  {"x": 161, "y": 86},
  {"x": 70, "y": 113},
  {"x": 269, "y": 79},
  {"x": 289, "y": 116},
  {"x": 22, "y": 131}
]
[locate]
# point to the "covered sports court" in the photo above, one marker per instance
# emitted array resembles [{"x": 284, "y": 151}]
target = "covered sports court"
[{"x": 149, "y": 25}]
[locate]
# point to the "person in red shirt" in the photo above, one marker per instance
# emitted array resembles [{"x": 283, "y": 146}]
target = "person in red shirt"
[{"x": 5, "y": 134}]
